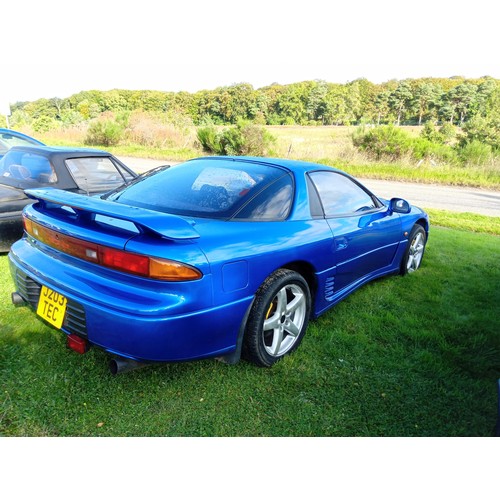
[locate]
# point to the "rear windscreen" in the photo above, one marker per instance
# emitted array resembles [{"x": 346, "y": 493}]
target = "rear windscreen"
[
  {"x": 96, "y": 173},
  {"x": 210, "y": 188}
]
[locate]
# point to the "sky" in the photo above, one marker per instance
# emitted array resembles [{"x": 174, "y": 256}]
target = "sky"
[{"x": 57, "y": 48}]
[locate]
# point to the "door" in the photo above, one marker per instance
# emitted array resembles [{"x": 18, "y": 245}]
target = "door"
[{"x": 365, "y": 234}]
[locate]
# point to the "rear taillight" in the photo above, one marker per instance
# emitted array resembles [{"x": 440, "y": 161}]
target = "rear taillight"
[
  {"x": 120, "y": 260},
  {"x": 124, "y": 261},
  {"x": 28, "y": 227}
]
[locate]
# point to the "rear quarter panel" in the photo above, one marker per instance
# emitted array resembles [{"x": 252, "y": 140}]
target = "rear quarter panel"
[{"x": 243, "y": 254}]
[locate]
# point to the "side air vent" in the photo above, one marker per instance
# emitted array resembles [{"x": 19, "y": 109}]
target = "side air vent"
[{"x": 329, "y": 287}]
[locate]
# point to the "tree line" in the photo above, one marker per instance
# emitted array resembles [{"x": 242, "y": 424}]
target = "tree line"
[{"x": 453, "y": 100}]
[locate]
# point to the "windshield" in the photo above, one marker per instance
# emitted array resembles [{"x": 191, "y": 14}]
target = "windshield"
[
  {"x": 9, "y": 140},
  {"x": 206, "y": 188},
  {"x": 21, "y": 168}
]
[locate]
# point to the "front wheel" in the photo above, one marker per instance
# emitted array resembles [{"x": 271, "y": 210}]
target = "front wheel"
[
  {"x": 415, "y": 250},
  {"x": 278, "y": 319}
]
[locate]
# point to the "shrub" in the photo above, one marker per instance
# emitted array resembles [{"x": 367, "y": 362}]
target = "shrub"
[
  {"x": 475, "y": 153},
  {"x": 20, "y": 119},
  {"x": 485, "y": 130},
  {"x": 232, "y": 141},
  {"x": 104, "y": 133},
  {"x": 210, "y": 139},
  {"x": 243, "y": 139},
  {"x": 424, "y": 149},
  {"x": 273, "y": 119},
  {"x": 448, "y": 132},
  {"x": 444, "y": 135},
  {"x": 70, "y": 117},
  {"x": 44, "y": 124},
  {"x": 256, "y": 140},
  {"x": 385, "y": 142},
  {"x": 430, "y": 133}
]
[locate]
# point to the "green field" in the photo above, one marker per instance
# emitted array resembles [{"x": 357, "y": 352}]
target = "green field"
[{"x": 412, "y": 356}]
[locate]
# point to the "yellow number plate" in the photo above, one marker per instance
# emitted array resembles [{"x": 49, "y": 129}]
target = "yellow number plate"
[{"x": 52, "y": 306}]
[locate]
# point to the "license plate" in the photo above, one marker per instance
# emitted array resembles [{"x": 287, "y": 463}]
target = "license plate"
[{"x": 52, "y": 306}]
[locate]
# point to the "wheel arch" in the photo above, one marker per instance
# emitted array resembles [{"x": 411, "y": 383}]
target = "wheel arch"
[
  {"x": 307, "y": 271},
  {"x": 406, "y": 264},
  {"x": 424, "y": 223}
]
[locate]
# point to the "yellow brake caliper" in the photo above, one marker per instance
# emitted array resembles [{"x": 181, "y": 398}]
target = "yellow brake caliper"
[{"x": 270, "y": 310}]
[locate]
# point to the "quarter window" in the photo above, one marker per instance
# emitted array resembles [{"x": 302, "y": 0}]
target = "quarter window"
[{"x": 272, "y": 203}]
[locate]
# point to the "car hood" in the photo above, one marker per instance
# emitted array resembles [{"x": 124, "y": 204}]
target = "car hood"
[{"x": 8, "y": 193}]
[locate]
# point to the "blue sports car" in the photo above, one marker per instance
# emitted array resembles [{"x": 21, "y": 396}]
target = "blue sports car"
[{"x": 216, "y": 257}]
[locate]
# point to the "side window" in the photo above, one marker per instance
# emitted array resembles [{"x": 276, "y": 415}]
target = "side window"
[
  {"x": 95, "y": 173},
  {"x": 273, "y": 203},
  {"x": 28, "y": 167},
  {"x": 340, "y": 195}
]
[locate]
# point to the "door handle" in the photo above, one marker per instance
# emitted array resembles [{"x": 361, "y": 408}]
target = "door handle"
[{"x": 341, "y": 243}]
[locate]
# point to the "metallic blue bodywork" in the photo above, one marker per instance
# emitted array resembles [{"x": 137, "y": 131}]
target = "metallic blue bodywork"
[
  {"x": 15, "y": 138},
  {"x": 150, "y": 320}
]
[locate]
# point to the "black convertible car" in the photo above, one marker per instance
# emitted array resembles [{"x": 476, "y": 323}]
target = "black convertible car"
[{"x": 85, "y": 171}]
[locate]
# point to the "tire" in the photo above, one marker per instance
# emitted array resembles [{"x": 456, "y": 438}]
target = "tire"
[
  {"x": 278, "y": 318},
  {"x": 414, "y": 251}
]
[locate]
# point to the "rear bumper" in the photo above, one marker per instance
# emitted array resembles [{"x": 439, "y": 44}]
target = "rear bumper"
[{"x": 139, "y": 323}]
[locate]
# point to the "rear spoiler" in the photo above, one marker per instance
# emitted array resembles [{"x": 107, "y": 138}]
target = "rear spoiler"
[{"x": 167, "y": 225}]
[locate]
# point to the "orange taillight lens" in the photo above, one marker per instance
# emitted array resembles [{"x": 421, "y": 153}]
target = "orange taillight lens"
[
  {"x": 28, "y": 227},
  {"x": 170, "y": 270},
  {"x": 141, "y": 265}
]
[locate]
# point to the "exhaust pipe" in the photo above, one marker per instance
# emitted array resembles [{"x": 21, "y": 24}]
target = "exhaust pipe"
[
  {"x": 122, "y": 365},
  {"x": 17, "y": 299}
]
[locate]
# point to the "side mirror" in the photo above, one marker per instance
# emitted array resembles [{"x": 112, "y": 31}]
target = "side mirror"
[{"x": 399, "y": 206}]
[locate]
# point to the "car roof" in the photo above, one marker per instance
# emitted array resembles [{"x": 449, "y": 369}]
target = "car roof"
[
  {"x": 294, "y": 165},
  {"x": 52, "y": 151}
]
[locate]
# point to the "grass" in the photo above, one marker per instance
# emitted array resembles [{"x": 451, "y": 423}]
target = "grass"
[
  {"x": 328, "y": 145},
  {"x": 169, "y": 154},
  {"x": 448, "y": 175},
  {"x": 412, "y": 356},
  {"x": 465, "y": 220}
]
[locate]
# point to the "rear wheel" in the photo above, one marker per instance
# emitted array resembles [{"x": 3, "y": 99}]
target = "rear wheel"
[
  {"x": 415, "y": 250},
  {"x": 278, "y": 319}
]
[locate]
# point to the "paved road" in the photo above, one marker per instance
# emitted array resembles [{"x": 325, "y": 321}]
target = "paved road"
[
  {"x": 455, "y": 199},
  {"x": 141, "y": 165}
]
